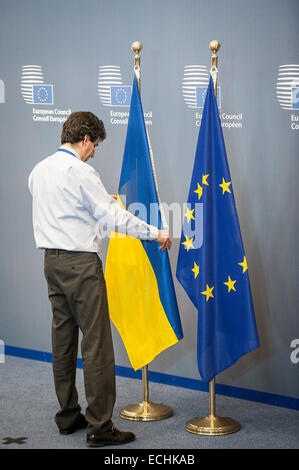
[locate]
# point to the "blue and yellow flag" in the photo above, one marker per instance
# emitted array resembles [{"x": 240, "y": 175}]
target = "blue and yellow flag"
[
  {"x": 141, "y": 295},
  {"x": 213, "y": 268}
]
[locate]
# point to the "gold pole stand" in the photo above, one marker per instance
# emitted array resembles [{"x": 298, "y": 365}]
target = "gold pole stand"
[
  {"x": 213, "y": 425},
  {"x": 145, "y": 410}
]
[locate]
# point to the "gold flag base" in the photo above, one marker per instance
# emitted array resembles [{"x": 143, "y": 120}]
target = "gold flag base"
[
  {"x": 146, "y": 411},
  {"x": 212, "y": 425}
]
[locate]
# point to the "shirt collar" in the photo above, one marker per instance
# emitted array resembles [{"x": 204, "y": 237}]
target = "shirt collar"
[{"x": 70, "y": 150}]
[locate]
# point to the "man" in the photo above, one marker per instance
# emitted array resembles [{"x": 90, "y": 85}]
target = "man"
[{"x": 70, "y": 210}]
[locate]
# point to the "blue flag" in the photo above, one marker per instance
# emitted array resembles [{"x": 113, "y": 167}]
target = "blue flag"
[
  {"x": 213, "y": 270},
  {"x": 141, "y": 294}
]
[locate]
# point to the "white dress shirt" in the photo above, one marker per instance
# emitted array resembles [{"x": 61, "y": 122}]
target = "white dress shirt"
[{"x": 71, "y": 209}]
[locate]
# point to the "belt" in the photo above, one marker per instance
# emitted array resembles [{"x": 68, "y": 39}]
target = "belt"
[{"x": 56, "y": 251}]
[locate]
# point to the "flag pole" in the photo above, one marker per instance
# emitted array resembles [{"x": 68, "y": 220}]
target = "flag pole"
[
  {"x": 212, "y": 424},
  {"x": 145, "y": 410}
]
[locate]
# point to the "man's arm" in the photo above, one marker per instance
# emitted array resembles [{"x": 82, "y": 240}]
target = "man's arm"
[
  {"x": 163, "y": 236},
  {"x": 107, "y": 211}
]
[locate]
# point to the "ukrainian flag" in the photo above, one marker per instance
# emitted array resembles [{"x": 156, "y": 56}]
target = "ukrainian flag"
[{"x": 141, "y": 295}]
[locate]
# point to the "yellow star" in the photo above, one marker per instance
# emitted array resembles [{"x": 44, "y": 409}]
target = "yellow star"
[
  {"x": 198, "y": 191},
  {"x": 244, "y": 265},
  {"x": 204, "y": 179},
  {"x": 208, "y": 292},
  {"x": 230, "y": 284},
  {"x": 195, "y": 270},
  {"x": 225, "y": 185},
  {"x": 189, "y": 214},
  {"x": 188, "y": 243}
]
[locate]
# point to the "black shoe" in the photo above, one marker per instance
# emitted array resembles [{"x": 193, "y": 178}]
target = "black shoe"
[
  {"x": 113, "y": 437},
  {"x": 80, "y": 423}
]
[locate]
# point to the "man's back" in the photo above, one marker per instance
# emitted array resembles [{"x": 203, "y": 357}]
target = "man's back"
[
  {"x": 60, "y": 219},
  {"x": 71, "y": 207}
]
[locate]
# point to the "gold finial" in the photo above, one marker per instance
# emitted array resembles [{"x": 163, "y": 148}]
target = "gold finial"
[
  {"x": 215, "y": 46},
  {"x": 136, "y": 47}
]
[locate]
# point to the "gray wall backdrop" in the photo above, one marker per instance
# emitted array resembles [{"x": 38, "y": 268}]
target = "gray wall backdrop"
[{"x": 70, "y": 40}]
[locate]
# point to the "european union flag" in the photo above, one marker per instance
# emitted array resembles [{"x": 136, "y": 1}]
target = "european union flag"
[
  {"x": 201, "y": 96},
  {"x": 42, "y": 94},
  {"x": 214, "y": 274},
  {"x": 295, "y": 98},
  {"x": 121, "y": 95}
]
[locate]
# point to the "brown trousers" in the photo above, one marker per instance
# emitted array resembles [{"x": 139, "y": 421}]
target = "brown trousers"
[{"x": 77, "y": 292}]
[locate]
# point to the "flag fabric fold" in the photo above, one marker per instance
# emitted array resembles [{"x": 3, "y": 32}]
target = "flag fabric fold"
[
  {"x": 140, "y": 289},
  {"x": 213, "y": 271}
]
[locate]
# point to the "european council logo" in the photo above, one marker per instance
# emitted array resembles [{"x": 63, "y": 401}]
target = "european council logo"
[
  {"x": 195, "y": 76},
  {"x": 33, "y": 87},
  {"x": 287, "y": 86},
  {"x": 111, "y": 90},
  {"x": 295, "y": 97},
  {"x": 121, "y": 96},
  {"x": 195, "y": 85},
  {"x": 42, "y": 94},
  {"x": 201, "y": 96}
]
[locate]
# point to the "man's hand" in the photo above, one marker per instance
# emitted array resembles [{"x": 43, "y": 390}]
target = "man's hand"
[{"x": 164, "y": 240}]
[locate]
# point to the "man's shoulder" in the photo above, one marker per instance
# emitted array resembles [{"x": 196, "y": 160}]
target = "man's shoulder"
[
  {"x": 86, "y": 169},
  {"x": 55, "y": 160},
  {"x": 55, "y": 163},
  {"x": 42, "y": 163}
]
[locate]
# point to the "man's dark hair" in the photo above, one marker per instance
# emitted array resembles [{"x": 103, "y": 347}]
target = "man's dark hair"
[{"x": 81, "y": 123}]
